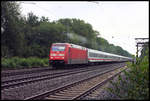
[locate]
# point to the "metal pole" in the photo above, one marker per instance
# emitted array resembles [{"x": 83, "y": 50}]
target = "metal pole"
[
  {"x": 140, "y": 41},
  {"x": 67, "y": 40},
  {"x": 137, "y": 51}
]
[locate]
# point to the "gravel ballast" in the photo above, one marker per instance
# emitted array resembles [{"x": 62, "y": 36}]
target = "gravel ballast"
[{"x": 36, "y": 88}]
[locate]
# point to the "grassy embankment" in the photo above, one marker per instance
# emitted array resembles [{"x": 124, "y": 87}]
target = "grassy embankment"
[
  {"x": 135, "y": 83},
  {"x": 16, "y": 62}
]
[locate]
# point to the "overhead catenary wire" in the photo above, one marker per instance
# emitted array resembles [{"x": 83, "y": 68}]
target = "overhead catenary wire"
[{"x": 46, "y": 10}]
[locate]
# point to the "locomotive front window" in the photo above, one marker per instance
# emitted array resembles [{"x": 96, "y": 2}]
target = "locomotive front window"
[{"x": 58, "y": 48}]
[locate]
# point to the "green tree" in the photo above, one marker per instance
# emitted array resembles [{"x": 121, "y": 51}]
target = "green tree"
[
  {"x": 44, "y": 19},
  {"x": 33, "y": 36},
  {"x": 12, "y": 37},
  {"x": 32, "y": 20}
]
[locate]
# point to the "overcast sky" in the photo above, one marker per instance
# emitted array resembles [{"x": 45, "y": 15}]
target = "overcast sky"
[{"x": 119, "y": 22}]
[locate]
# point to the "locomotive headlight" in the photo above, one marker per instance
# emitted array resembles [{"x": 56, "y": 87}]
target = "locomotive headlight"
[{"x": 53, "y": 54}]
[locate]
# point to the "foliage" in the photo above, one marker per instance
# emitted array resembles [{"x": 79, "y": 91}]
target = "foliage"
[
  {"x": 32, "y": 36},
  {"x": 16, "y": 62},
  {"x": 135, "y": 84}
]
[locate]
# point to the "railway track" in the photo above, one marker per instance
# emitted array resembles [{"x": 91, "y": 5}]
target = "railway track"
[
  {"x": 27, "y": 80},
  {"x": 6, "y": 73},
  {"x": 78, "y": 89}
]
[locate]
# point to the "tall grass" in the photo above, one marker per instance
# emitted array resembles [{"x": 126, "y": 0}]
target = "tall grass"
[
  {"x": 135, "y": 83},
  {"x": 16, "y": 62}
]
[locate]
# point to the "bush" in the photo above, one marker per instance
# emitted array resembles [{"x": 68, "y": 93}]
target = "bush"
[
  {"x": 16, "y": 62},
  {"x": 135, "y": 84}
]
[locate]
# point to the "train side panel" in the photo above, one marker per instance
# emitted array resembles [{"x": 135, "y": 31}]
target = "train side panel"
[
  {"x": 95, "y": 56},
  {"x": 77, "y": 55}
]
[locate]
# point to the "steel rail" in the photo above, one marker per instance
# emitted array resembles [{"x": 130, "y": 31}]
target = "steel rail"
[
  {"x": 45, "y": 94},
  {"x": 95, "y": 87},
  {"x": 14, "y": 83}
]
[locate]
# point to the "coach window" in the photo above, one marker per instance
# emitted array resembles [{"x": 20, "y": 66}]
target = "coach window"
[
  {"x": 96, "y": 55},
  {"x": 89, "y": 54},
  {"x": 92, "y": 55},
  {"x": 100, "y": 55},
  {"x": 103, "y": 56}
]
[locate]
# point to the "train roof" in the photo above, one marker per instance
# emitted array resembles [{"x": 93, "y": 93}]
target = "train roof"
[
  {"x": 72, "y": 45},
  {"x": 60, "y": 43}
]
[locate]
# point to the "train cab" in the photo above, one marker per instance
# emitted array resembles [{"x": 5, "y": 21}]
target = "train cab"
[
  {"x": 58, "y": 53},
  {"x": 67, "y": 54}
]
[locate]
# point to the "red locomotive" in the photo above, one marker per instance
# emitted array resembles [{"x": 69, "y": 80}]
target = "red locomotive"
[
  {"x": 65, "y": 53},
  {"x": 70, "y": 54}
]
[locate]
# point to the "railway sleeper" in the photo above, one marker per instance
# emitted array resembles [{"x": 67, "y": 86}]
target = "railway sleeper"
[
  {"x": 52, "y": 97},
  {"x": 56, "y": 98},
  {"x": 68, "y": 95},
  {"x": 70, "y": 92},
  {"x": 82, "y": 89}
]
